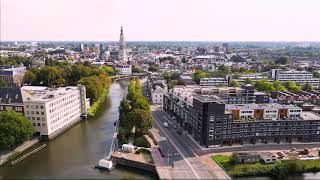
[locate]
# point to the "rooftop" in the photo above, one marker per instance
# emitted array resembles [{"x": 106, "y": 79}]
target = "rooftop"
[{"x": 44, "y": 94}]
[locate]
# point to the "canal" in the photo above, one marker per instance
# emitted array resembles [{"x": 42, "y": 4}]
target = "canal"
[{"x": 73, "y": 154}]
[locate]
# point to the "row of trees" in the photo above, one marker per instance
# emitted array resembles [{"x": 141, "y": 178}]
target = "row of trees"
[
  {"x": 134, "y": 113},
  {"x": 58, "y": 74},
  {"x": 15, "y": 61},
  {"x": 14, "y": 129}
]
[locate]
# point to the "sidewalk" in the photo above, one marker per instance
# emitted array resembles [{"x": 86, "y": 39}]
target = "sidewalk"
[
  {"x": 214, "y": 167},
  {"x": 27, "y": 144},
  {"x": 163, "y": 170}
]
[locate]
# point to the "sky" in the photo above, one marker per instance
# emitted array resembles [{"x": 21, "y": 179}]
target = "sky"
[{"x": 169, "y": 20}]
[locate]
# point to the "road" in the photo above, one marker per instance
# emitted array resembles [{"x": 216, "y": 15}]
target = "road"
[{"x": 184, "y": 161}]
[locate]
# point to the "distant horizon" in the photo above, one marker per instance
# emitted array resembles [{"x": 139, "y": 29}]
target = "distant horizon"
[
  {"x": 165, "y": 20},
  {"x": 318, "y": 41}
]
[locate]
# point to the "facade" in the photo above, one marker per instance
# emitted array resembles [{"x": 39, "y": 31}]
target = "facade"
[
  {"x": 53, "y": 110},
  {"x": 214, "y": 81},
  {"x": 299, "y": 77},
  {"x": 210, "y": 121},
  {"x": 124, "y": 69},
  {"x": 12, "y": 76},
  {"x": 11, "y": 99},
  {"x": 157, "y": 88}
]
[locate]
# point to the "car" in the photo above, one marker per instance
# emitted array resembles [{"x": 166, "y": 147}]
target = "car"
[
  {"x": 165, "y": 124},
  {"x": 175, "y": 126}
]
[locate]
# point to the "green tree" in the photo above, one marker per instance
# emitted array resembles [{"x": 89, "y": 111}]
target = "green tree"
[
  {"x": 198, "y": 75},
  {"x": 278, "y": 86},
  {"x": 93, "y": 86},
  {"x": 291, "y": 86},
  {"x": 135, "y": 69},
  {"x": 264, "y": 85},
  {"x": 307, "y": 87},
  {"x": 248, "y": 81},
  {"x": 14, "y": 129},
  {"x": 236, "y": 75},
  {"x": 153, "y": 68},
  {"x": 109, "y": 70},
  {"x": 142, "y": 119},
  {"x": 282, "y": 60},
  {"x": 316, "y": 74},
  {"x": 2, "y": 83},
  {"x": 233, "y": 83}
]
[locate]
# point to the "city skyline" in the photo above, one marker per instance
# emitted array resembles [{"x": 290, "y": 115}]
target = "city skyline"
[{"x": 96, "y": 20}]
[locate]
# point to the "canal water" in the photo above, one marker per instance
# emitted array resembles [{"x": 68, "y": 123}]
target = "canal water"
[{"x": 73, "y": 154}]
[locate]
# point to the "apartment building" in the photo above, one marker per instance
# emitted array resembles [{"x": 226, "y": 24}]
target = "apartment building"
[
  {"x": 12, "y": 76},
  {"x": 214, "y": 81},
  {"x": 53, "y": 110},
  {"x": 11, "y": 99},
  {"x": 210, "y": 121},
  {"x": 299, "y": 77}
]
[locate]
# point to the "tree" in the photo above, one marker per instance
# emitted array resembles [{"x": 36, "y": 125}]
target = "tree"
[
  {"x": 291, "y": 86},
  {"x": 14, "y": 129},
  {"x": 264, "y": 85},
  {"x": 135, "y": 69},
  {"x": 234, "y": 158},
  {"x": 198, "y": 75},
  {"x": 2, "y": 83},
  {"x": 109, "y": 70},
  {"x": 282, "y": 60},
  {"x": 278, "y": 86},
  {"x": 236, "y": 75},
  {"x": 93, "y": 86},
  {"x": 233, "y": 83},
  {"x": 153, "y": 68},
  {"x": 184, "y": 60},
  {"x": 142, "y": 120},
  {"x": 307, "y": 87},
  {"x": 316, "y": 74},
  {"x": 247, "y": 81}
]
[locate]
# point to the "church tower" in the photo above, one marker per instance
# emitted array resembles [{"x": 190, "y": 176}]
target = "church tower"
[{"x": 122, "y": 54}]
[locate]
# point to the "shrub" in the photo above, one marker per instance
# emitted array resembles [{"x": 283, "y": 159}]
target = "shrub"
[
  {"x": 143, "y": 151},
  {"x": 141, "y": 142}
]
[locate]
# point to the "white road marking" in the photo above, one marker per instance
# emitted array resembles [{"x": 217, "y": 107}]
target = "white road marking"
[{"x": 175, "y": 146}]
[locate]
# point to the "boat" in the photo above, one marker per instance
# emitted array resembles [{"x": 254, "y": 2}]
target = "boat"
[{"x": 105, "y": 165}]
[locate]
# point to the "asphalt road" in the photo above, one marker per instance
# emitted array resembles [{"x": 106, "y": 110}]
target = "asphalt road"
[{"x": 184, "y": 160}]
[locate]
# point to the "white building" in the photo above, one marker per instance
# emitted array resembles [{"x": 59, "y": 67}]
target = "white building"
[
  {"x": 214, "y": 81},
  {"x": 124, "y": 69},
  {"x": 53, "y": 110},
  {"x": 157, "y": 94},
  {"x": 299, "y": 77}
]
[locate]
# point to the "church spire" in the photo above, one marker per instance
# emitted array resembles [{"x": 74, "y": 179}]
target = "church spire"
[{"x": 121, "y": 31}]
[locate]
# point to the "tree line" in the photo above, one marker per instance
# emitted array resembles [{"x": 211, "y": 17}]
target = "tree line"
[
  {"x": 57, "y": 74},
  {"x": 134, "y": 114}
]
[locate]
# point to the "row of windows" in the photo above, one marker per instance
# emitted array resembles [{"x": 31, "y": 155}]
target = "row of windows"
[
  {"x": 62, "y": 99},
  {"x": 16, "y": 108},
  {"x": 34, "y": 106},
  {"x": 35, "y": 112},
  {"x": 38, "y": 124}
]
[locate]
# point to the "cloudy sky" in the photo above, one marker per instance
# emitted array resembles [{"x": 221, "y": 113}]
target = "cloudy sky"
[{"x": 208, "y": 20}]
